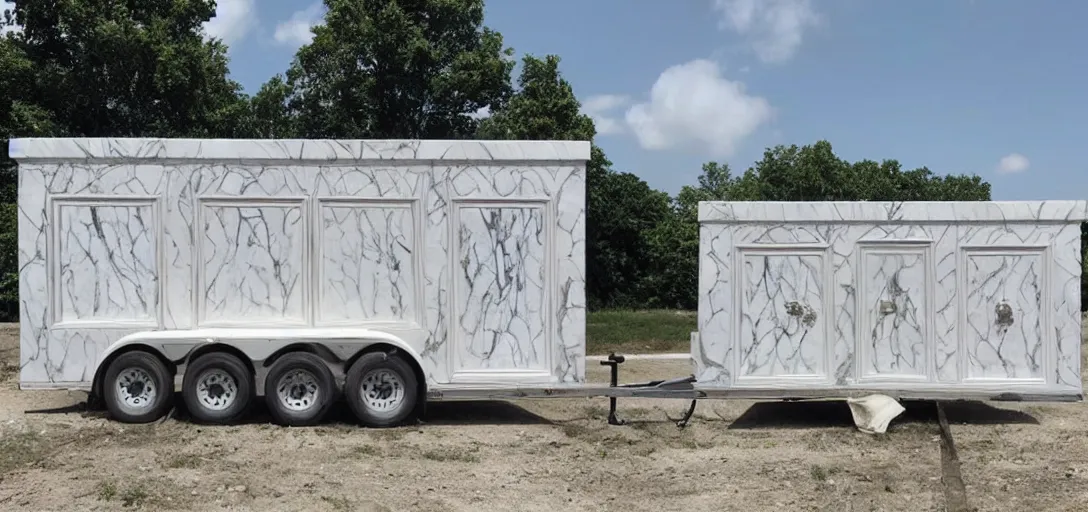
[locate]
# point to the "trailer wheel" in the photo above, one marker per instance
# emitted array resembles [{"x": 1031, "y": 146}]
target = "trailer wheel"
[
  {"x": 137, "y": 388},
  {"x": 381, "y": 389},
  {"x": 218, "y": 388},
  {"x": 299, "y": 389}
]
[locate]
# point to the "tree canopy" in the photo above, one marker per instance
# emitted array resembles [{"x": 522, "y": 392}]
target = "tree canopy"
[
  {"x": 406, "y": 69},
  {"x": 424, "y": 69}
]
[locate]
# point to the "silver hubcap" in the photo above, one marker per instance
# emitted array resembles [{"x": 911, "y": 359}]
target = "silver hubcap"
[
  {"x": 136, "y": 388},
  {"x": 382, "y": 390},
  {"x": 216, "y": 389},
  {"x": 298, "y": 390}
]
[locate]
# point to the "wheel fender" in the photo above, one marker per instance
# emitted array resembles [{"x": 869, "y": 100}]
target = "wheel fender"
[
  {"x": 174, "y": 349},
  {"x": 349, "y": 349}
]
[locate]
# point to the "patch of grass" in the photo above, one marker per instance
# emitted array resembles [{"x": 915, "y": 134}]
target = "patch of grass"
[
  {"x": 387, "y": 434},
  {"x": 334, "y": 429},
  {"x": 588, "y": 428},
  {"x": 129, "y": 436},
  {"x": 639, "y": 331},
  {"x": 821, "y": 474},
  {"x": 133, "y": 496},
  {"x": 608, "y": 440},
  {"x": 8, "y": 371},
  {"x": 337, "y": 502},
  {"x": 594, "y": 412},
  {"x": 20, "y": 449},
  {"x": 690, "y": 442},
  {"x": 450, "y": 454},
  {"x": 9, "y": 352},
  {"x": 367, "y": 450},
  {"x": 832, "y": 440},
  {"x": 184, "y": 461},
  {"x": 107, "y": 491},
  {"x": 575, "y": 430}
]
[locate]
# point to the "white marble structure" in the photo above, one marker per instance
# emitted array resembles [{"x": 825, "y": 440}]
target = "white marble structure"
[
  {"x": 930, "y": 296},
  {"x": 471, "y": 252}
]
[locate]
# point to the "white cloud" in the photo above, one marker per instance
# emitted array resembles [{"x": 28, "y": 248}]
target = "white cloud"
[
  {"x": 692, "y": 104},
  {"x": 233, "y": 19},
  {"x": 297, "y": 31},
  {"x": 600, "y": 109},
  {"x": 483, "y": 112},
  {"x": 1013, "y": 163},
  {"x": 774, "y": 28},
  {"x": 6, "y": 29}
]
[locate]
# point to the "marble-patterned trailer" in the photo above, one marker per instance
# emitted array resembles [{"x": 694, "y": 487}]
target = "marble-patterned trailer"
[
  {"x": 237, "y": 268},
  {"x": 918, "y": 299}
]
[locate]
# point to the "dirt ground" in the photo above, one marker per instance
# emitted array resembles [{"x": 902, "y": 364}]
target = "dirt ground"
[{"x": 543, "y": 455}]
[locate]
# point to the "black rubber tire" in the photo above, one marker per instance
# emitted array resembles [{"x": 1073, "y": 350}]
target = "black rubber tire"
[
  {"x": 368, "y": 416},
  {"x": 236, "y": 369},
  {"x": 160, "y": 374},
  {"x": 327, "y": 392}
]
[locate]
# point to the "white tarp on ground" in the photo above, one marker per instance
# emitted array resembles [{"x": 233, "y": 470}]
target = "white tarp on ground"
[{"x": 873, "y": 413}]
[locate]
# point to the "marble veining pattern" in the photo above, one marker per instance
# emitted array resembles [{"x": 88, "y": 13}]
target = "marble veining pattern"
[
  {"x": 509, "y": 186},
  {"x": 368, "y": 152},
  {"x": 368, "y": 262},
  {"x": 713, "y": 359},
  {"x": 941, "y": 338},
  {"x": 501, "y": 285},
  {"x": 895, "y": 303},
  {"x": 1061, "y": 288},
  {"x": 716, "y": 276},
  {"x": 115, "y": 243},
  {"x": 252, "y": 264},
  {"x": 183, "y": 174},
  {"x": 1004, "y": 304},
  {"x": 781, "y": 316},
  {"x": 880, "y": 212}
]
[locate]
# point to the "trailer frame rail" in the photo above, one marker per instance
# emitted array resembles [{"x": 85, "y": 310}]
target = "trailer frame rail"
[{"x": 684, "y": 388}]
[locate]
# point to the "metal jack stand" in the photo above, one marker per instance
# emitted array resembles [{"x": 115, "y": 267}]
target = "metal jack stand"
[
  {"x": 683, "y": 421},
  {"x": 613, "y": 362}
]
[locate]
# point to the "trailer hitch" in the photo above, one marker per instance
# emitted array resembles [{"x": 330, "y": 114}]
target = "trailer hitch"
[{"x": 613, "y": 362}]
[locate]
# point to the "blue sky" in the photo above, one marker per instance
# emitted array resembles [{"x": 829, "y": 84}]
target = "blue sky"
[{"x": 992, "y": 87}]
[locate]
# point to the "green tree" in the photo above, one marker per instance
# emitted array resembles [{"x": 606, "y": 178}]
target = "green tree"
[
  {"x": 128, "y": 68},
  {"x": 621, "y": 214},
  {"x": 815, "y": 173},
  {"x": 9, "y": 262},
  {"x": 674, "y": 242},
  {"x": 543, "y": 108},
  {"x": 123, "y": 68},
  {"x": 269, "y": 114},
  {"x": 398, "y": 69},
  {"x": 790, "y": 173},
  {"x": 16, "y": 118}
]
